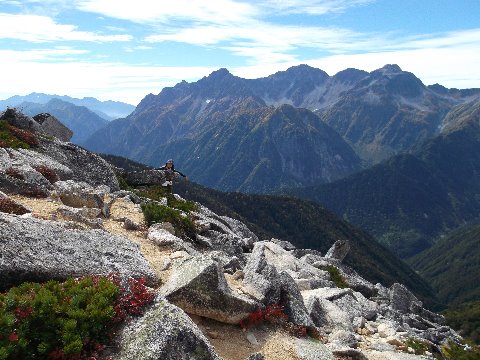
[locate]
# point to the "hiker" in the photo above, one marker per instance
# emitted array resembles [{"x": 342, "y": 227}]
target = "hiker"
[{"x": 170, "y": 171}]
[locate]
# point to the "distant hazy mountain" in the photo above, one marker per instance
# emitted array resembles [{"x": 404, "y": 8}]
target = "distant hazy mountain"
[
  {"x": 79, "y": 119},
  {"x": 224, "y": 136},
  {"x": 108, "y": 110},
  {"x": 409, "y": 200}
]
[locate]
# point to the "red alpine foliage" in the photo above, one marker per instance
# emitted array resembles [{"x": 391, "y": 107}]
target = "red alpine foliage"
[
  {"x": 22, "y": 313},
  {"x": 14, "y": 173},
  {"x": 13, "y": 337},
  {"x": 133, "y": 300},
  {"x": 9, "y": 206},
  {"x": 47, "y": 173},
  {"x": 24, "y": 135},
  {"x": 271, "y": 313},
  {"x": 56, "y": 355}
]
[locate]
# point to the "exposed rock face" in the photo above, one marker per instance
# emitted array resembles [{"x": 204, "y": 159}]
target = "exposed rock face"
[
  {"x": 20, "y": 120},
  {"x": 199, "y": 287},
  {"x": 339, "y": 250},
  {"x": 221, "y": 233},
  {"x": 86, "y": 166},
  {"x": 144, "y": 177},
  {"x": 38, "y": 250},
  {"x": 164, "y": 332},
  {"x": 50, "y": 161},
  {"x": 85, "y": 215},
  {"x": 81, "y": 120},
  {"x": 51, "y": 126}
]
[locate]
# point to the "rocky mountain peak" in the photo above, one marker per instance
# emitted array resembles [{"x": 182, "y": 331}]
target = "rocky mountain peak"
[
  {"x": 390, "y": 69},
  {"x": 349, "y": 76},
  {"x": 300, "y": 71},
  {"x": 219, "y": 74}
]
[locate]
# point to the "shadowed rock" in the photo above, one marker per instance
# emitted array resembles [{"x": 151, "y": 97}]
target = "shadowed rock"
[{"x": 50, "y": 125}]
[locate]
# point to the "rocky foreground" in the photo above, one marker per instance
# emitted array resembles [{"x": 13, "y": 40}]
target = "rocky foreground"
[{"x": 63, "y": 214}]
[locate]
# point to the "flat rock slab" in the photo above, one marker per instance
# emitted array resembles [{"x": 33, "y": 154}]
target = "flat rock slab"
[{"x": 39, "y": 250}]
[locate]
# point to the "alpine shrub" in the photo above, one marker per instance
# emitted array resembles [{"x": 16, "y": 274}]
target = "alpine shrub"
[
  {"x": 271, "y": 313},
  {"x": 335, "y": 276},
  {"x": 66, "y": 321},
  {"x": 155, "y": 213},
  {"x": 274, "y": 314},
  {"x": 158, "y": 192},
  {"x": 454, "y": 351},
  {"x": 419, "y": 347},
  {"x": 14, "y": 173}
]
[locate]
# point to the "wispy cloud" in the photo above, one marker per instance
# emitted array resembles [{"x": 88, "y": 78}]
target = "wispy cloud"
[
  {"x": 154, "y": 12},
  {"x": 314, "y": 7},
  {"x": 38, "y": 29}
]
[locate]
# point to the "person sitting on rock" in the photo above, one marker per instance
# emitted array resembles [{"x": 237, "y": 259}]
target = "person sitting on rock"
[{"x": 169, "y": 169}]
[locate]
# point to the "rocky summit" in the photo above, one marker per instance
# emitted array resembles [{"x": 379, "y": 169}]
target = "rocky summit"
[{"x": 220, "y": 292}]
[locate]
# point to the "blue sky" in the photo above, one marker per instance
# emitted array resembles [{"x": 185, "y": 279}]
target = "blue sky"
[{"x": 123, "y": 50}]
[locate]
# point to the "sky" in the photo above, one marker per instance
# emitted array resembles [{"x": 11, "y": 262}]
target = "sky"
[{"x": 123, "y": 50}]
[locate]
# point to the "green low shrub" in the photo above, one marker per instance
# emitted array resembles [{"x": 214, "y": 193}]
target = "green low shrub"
[
  {"x": 454, "y": 351},
  {"x": 69, "y": 320},
  {"x": 335, "y": 276},
  {"x": 157, "y": 192},
  {"x": 418, "y": 346},
  {"x": 123, "y": 183},
  {"x": 155, "y": 213}
]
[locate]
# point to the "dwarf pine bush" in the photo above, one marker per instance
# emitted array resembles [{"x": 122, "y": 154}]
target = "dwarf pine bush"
[
  {"x": 155, "y": 213},
  {"x": 336, "y": 276},
  {"x": 69, "y": 320}
]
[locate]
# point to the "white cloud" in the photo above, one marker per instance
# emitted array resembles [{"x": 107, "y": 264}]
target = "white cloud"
[
  {"x": 154, "y": 11},
  {"x": 314, "y": 7},
  {"x": 26, "y": 72},
  {"x": 469, "y": 37},
  {"x": 38, "y": 29}
]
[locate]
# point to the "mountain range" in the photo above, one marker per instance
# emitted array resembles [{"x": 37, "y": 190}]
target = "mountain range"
[
  {"x": 260, "y": 135},
  {"x": 228, "y": 138},
  {"x": 108, "y": 110},
  {"x": 305, "y": 133}
]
